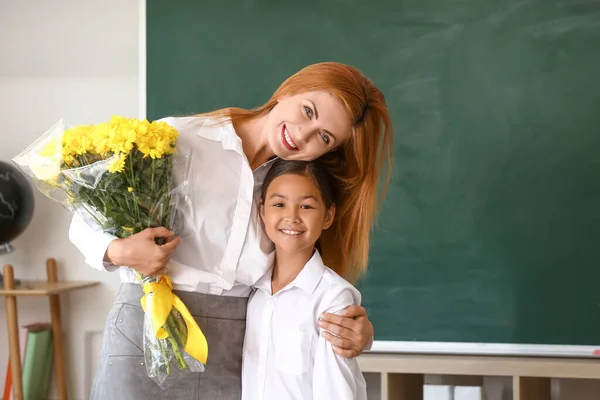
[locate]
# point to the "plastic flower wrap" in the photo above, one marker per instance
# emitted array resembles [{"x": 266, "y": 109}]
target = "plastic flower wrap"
[{"x": 128, "y": 175}]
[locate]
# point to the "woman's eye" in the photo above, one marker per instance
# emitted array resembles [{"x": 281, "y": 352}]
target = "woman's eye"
[
  {"x": 325, "y": 137},
  {"x": 308, "y": 111}
]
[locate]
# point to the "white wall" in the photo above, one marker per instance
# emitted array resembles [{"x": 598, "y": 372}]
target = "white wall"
[{"x": 78, "y": 59}]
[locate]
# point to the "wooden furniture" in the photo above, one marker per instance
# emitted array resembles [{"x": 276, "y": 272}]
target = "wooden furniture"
[
  {"x": 402, "y": 375},
  {"x": 51, "y": 288}
]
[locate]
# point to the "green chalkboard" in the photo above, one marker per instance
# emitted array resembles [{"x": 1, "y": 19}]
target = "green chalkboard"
[{"x": 491, "y": 230}]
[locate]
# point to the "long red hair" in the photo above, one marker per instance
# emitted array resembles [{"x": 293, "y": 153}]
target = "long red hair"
[{"x": 357, "y": 163}]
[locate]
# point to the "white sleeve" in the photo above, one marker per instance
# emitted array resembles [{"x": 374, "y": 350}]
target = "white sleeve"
[
  {"x": 336, "y": 377},
  {"x": 92, "y": 243}
]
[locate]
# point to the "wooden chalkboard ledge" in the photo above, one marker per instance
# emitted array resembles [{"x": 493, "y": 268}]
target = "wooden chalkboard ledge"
[{"x": 402, "y": 375}]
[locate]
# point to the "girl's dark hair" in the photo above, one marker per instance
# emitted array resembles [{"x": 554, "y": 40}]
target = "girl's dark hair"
[{"x": 315, "y": 170}]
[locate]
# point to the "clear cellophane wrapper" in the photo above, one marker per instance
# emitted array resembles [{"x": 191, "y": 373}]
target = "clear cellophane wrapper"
[{"x": 122, "y": 177}]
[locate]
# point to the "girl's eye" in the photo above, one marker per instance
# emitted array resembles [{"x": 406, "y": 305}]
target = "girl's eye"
[
  {"x": 306, "y": 207},
  {"x": 308, "y": 111},
  {"x": 278, "y": 205},
  {"x": 325, "y": 137}
]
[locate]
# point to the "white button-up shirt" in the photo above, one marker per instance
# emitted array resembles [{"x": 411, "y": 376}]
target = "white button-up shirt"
[
  {"x": 225, "y": 251},
  {"x": 285, "y": 357}
]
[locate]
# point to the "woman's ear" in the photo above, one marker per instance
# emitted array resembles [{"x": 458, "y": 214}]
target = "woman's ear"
[{"x": 329, "y": 215}]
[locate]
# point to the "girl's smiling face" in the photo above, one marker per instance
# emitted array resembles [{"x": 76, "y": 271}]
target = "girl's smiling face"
[{"x": 294, "y": 213}]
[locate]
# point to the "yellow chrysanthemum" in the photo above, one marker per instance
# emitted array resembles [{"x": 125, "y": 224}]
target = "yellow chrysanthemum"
[
  {"x": 121, "y": 137},
  {"x": 159, "y": 140},
  {"x": 69, "y": 160},
  {"x": 51, "y": 149},
  {"x": 118, "y": 136},
  {"x": 46, "y": 169},
  {"x": 119, "y": 164},
  {"x": 78, "y": 140},
  {"x": 100, "y": 139}
]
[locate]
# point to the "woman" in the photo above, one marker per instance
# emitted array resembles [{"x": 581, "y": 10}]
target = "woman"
[{"x": 327, "y": 110}]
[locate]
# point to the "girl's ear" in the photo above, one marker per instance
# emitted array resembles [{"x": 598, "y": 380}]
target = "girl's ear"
[
  {"x": 329, "y": 215},
  {"x": 262, "y": 211}
]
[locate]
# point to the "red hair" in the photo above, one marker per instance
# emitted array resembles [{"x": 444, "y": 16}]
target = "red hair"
[{"x": 357, "y": 164}]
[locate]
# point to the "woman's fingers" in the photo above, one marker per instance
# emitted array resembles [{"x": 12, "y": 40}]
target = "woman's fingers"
[
  {"x": 339, "y": 330},
  {"x": 171, "y": 245},
  {"x": 353, "y": 311},
  {"x": 343, "y": 347},
  {"x": 339, "y": 341},
  {"x": 141, "y": 252},
  {"x": 346, "y": 353},
  {"x": 356, "y": 333},
  {"x": 158, "y": 232}
]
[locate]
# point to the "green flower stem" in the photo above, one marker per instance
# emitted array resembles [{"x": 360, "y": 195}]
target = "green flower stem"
[
  {"x": 175, "y": 337},
  {"x": 152, "y": 180},
  {"x": 182, "y": 327},
  {"x": 173, "y": 329},
  {"x": 156, "y": 355},
  {"x": 175, "y": 345},
  {"x": 135, "y": 201},
  {"x": 163, "y": 350}
]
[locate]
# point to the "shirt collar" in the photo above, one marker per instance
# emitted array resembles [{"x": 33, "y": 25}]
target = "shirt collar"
[
  {"x": 311, "y": 274},
  {"x": 307, "y": 280},
  {"x": 219, "y": 130},
  {"x": 226, "y": 135},
  {"x": 264, "y": 282}
]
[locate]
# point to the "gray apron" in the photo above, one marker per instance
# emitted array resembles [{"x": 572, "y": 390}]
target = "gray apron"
[{"x": 121, "y": 373}]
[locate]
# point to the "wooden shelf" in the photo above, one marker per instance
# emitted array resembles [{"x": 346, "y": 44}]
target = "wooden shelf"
[
  {"x": 51, "y": 288},
  {"x": 402, "y": 375},
  {"x": 43, "y": 288},
  {"x": 584, "y": 368}
]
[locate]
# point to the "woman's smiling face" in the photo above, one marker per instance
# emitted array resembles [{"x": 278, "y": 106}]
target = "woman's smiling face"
[{"x": 307, "y": 125}]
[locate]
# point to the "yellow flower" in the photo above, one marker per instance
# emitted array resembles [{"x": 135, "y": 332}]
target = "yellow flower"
[
  {"x": 130, "y": 189},
  {"x": 69, "y": 160},
  {"x": 85, "y": 144},
  {"x": 45, "y": 172},
  {"x": 159, "y": 140},
  {"x": 51, "y": 149},
  {"x": 100, "y": 139},
  {"x": 77, "y": 140},
  {"x": 118, "y": 164},
  {"x": 121, "y": 135}
]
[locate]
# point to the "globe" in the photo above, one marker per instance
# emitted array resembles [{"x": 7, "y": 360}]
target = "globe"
[{"x": 16, "y": 204}]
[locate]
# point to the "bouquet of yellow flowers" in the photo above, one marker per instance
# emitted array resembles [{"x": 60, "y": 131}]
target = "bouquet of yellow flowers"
[{"x": 128, "y": 174}]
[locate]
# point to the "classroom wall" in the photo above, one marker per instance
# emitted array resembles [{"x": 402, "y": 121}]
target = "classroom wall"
[
  {"x": 75, "y": 59},
  {"x": 79, "y": 60}
]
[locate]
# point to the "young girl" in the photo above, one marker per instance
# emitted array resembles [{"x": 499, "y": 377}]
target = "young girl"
[
  {"x": 327, "y": 110},
  {"x": 285, "y": 357}
]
